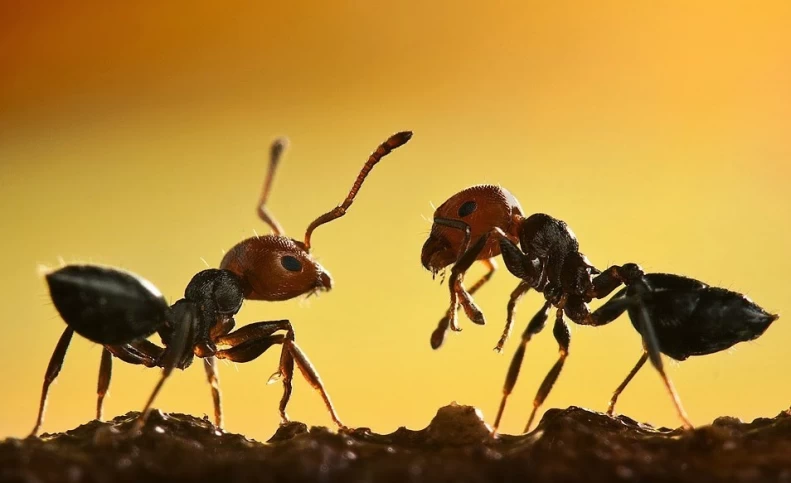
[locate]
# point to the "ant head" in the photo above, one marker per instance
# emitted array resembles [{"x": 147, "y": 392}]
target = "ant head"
[
  {"x": 481, "y": 208},
  {"x": 275, "y": 267}
]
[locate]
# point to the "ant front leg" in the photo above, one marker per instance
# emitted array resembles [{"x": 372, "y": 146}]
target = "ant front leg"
[
  {"x": 210, "y": 364},
  {"x": 438, "y": 336},
  {"x": 458, "y": 294},
  {"x": 252, "y": 340}
]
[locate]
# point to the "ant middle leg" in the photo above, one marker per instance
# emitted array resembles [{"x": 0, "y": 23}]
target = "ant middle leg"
[
  {"x": 210, "y": 364},
  {"x": 563, "y": 337},
  {"x": 517, "y": 294},
  {"x": 535, "y": 326}
]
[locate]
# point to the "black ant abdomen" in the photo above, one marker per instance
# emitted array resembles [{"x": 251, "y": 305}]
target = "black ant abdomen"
[
  {"x": 689, "y": 317},
  {"x": 105, "y": 305}
]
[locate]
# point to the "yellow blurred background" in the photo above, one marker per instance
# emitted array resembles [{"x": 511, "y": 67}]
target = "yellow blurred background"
[{"x": 137, "y": 136}]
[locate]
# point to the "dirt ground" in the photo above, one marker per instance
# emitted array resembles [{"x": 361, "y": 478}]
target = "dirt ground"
[{"x": 573, "y": 444}]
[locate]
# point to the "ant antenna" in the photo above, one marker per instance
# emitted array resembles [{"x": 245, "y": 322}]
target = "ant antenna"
[
  {"x": 279, "y": 145},
  {"x": 393, "y": 142}
]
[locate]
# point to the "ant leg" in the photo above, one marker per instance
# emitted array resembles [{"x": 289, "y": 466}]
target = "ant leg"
[
  {"x": 562, "y": 335},
  {"x": 252, "y": 340},
  {"x": 652, "y": 347},
  {"x": 607, "y": 281},
  {"x": 309, "y": 372},
  {"x": 438, "y": 336},
  {"x": 53, "y": 369},
  {"x": 517, "y": 294},
  {"x": 637, "y": 367},
  {"x": 246, "y": 341},
  {"x": 184, "y": 317},
  {"x": 250, "y": 348},
  {"x": 535, "y": 326},
  {"x": 465, "y": 295},
  {"x": 141, "y": 352},
  {"x": 603, "y": 285},
  {"x": 287, "y": 372},
  {"x": 458, "y": 291},
  {"x": 105, "y": 372},
  {"x": 210, "y": 364},
  {"x": 632, "y": 275},
  {"x": 578, "y": 311}
]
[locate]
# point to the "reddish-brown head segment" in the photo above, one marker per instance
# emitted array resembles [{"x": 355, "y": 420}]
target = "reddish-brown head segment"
[
  {"x": 482, "y": 208},
  {"x": 276, "y": 267}
]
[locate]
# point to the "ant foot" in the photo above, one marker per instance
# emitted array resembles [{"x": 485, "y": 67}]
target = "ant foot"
[
  {"x": 499, "y": 347},
  {"x": 610, "y": 408},
  {"x": 274, "y": 378}
]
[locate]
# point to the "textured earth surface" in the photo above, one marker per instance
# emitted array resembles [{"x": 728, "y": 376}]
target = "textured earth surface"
[{"x": 573, "y": 444}]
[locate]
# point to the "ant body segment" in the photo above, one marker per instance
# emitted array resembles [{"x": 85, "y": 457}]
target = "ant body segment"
[
  {"x": 119, "y": 310},
  {"x": 675, "y": 315}
]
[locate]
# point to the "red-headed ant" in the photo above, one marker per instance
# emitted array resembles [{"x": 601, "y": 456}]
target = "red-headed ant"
[
  {"x": 675, "y": 315},
  {"x": 119, "y": 310}
]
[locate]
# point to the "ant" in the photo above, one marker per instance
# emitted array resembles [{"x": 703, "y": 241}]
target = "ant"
[
  {"x": 119, "y": 310},
  {"x": 675, "y": 315}
]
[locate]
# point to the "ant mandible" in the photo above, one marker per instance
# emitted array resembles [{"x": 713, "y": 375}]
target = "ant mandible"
[
  {"x": 675, "y": 315},
  {"x": 119, "y": 310}
]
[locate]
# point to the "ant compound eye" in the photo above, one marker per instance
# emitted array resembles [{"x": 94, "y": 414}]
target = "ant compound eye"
[
  {"x": 291, "y": 264},
  {"x": 467, "y": 208}
]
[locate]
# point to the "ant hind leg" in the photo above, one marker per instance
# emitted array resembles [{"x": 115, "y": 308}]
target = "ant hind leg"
[
  {"x": 651, "y": 343},
  {"x": 105, "y": 373},
  {"x": 53, "y": 369},
  {"x": 184, "y": 317},
  {"x": 619, "y": 390}
]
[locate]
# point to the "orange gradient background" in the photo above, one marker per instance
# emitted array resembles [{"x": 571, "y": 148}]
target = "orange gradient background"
[{"x": 136, "y": 136}]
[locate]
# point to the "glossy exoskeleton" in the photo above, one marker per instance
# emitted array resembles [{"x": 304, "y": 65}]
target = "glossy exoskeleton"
[
  {"x": 119, "y": 310},
  {"x": 675, "y": 315}
]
